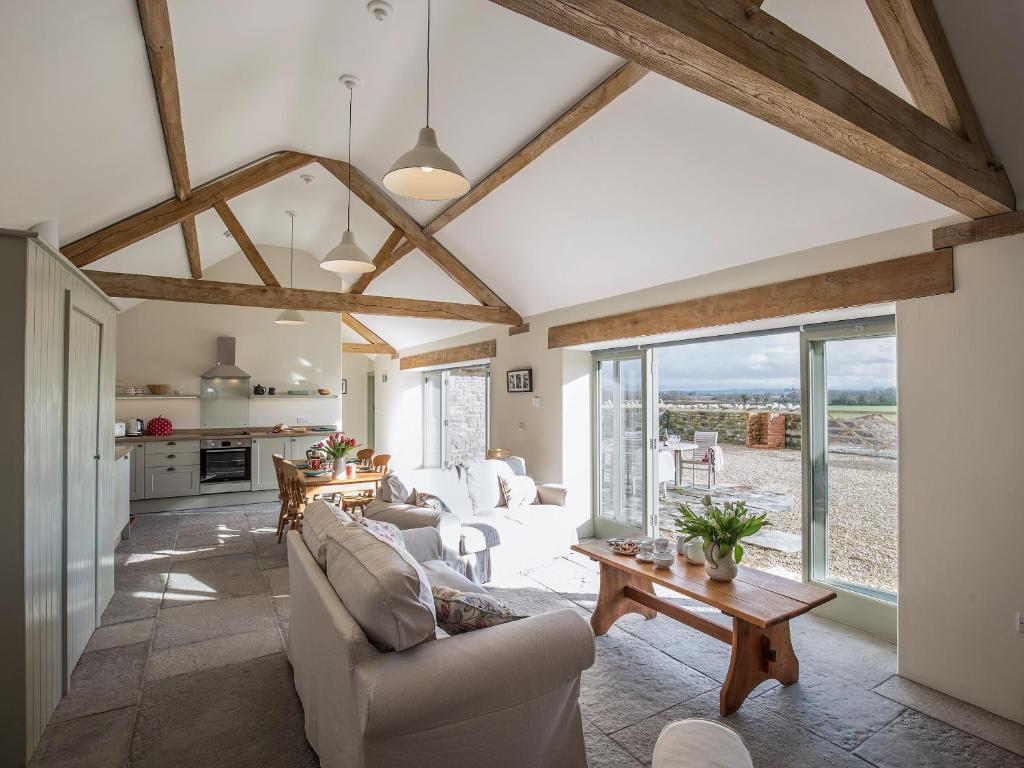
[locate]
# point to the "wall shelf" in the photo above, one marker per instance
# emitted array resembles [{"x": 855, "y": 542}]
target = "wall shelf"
[
  {"x": 156, "y": 397},
  {"x": 293, "y": 397}
]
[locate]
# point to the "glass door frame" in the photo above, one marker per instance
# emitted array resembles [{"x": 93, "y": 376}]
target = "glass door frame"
[
  {"x": 858, "y": 605},
  {"x": 604, "y": 528}
]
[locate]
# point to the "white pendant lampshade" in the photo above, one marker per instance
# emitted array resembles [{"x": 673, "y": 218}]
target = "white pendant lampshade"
[
  {"x": 425, "y": 172},
  {"x": 346, "y": 256},
  {"x": 291, "y": 316}
]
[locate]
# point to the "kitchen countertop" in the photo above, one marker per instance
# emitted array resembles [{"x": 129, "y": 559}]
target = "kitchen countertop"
[{"x": 199, "y": 434}]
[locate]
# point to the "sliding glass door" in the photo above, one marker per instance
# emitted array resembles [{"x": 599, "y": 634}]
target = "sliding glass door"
[
  {"x": 853, "y": 439},
  {"x": 621, "y": 440}
]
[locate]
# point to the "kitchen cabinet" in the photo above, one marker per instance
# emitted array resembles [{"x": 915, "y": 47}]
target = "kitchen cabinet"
[
  {"x": 162, "y": 482},
  {"x": 137, "y": 461},
  {"x": 264, "y": 478},
  {"x": 171, "y": 446},
  {"x": 122, "y": 494}
]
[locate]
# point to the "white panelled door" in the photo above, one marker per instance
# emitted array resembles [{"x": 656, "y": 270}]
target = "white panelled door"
[{"x": 85, "y": 339}]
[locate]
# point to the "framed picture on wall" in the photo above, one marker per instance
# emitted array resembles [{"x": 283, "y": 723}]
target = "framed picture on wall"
[
  {"x": 344, "y": 386},
  {"x": 520, "y": 380}
]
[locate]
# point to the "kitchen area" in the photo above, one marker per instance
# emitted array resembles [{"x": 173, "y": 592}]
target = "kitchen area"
[{"x": 230, "y": 429}]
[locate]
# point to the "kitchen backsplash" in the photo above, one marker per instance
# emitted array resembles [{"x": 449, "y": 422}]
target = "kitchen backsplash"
[{"x": 184, "y": 414}]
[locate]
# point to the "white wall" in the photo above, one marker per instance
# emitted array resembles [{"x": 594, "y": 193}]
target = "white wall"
[
  {"x": 172, "y": 343},
  {"x": 961, "y": 383},
  {"x": 353, "y": 405}
]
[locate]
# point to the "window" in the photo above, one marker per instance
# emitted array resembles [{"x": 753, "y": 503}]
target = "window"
[{"x": 456, "y": 415}]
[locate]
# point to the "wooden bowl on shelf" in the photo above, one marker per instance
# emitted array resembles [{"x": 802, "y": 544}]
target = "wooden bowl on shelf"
[
  {"x": 158, "y": 389},
  {"x": 323, "y": 391}
]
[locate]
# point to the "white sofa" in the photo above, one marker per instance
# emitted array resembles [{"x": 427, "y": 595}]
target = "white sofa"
[
  {"x": 482, "y": 537},
  {"x": 504, "y": 696}
]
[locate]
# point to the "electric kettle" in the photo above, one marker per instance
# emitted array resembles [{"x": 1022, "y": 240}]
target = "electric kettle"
[{"x": 134, "y": 426}]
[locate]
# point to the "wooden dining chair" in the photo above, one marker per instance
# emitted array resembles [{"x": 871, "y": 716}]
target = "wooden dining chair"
[
  {"x": 381, "y": 461},
  {"x": 364, "y": 456},
  {"x": 295, "y": 497},
  {"x": 282, "y": 494},
  {"x": 357, "y": 502}
]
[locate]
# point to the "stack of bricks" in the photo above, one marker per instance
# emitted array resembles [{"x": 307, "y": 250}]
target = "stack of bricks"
[{"x": 766, "y": 430}]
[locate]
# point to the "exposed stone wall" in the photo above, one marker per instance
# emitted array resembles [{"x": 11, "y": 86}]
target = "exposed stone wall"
[
  {"x": 467, "y": 415},
  {"x": 731, "y": 426}
]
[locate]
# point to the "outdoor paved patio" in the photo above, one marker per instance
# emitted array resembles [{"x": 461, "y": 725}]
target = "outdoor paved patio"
[{"x": 862, "y": 507}]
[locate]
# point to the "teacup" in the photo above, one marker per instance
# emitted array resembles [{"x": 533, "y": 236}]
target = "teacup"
[
  {"x": 315, "y": 463},
  {"x": 661, "y": 546}
]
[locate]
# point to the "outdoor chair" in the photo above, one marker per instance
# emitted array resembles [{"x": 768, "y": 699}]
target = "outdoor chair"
[{"x": 703, "y": 456}]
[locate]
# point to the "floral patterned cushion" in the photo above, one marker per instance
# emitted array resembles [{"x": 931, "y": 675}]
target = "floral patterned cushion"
[
  {"x": 459, "y": 612},
  {"x": 386, "y": 532}
]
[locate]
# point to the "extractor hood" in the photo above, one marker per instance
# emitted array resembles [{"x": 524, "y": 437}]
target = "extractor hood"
[{"x": 225, "y": 367}]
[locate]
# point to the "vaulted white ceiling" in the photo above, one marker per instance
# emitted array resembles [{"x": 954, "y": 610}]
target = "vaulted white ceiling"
[{"x": 663, "y": 184}]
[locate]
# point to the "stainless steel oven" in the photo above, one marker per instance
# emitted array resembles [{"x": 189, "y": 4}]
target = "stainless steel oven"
[{"x": 225, "y": 465}]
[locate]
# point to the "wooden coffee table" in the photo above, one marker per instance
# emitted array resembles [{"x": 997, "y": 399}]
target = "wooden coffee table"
[{"x": 760, "y": 605}]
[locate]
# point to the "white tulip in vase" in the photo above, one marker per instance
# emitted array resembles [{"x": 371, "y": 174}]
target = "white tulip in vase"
[{"x": 718, "y": 532}]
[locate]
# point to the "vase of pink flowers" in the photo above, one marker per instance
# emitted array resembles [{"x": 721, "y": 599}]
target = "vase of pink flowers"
[{"x": 336, "y": 448}]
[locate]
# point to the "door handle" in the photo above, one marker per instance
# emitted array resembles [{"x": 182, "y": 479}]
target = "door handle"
[{"x": 97, "y": 457}]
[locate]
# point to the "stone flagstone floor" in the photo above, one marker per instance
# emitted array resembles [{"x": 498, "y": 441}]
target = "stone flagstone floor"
[{"x": 189, "y": 669}]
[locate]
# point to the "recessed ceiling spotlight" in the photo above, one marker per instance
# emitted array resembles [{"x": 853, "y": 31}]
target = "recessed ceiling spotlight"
[
  {"x": 380, "y": 10},
  {"x": 309, "y": 178}
]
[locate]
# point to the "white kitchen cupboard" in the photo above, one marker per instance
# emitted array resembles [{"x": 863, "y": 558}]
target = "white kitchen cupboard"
[
  {"x": 138, "y": 471},
  {"x": 263, "y": 449},
  {"x": 122, "y": 494},
  {"x": 58, "y": 478},
  {"x": 166, "y": 482},
  {"x": 264, "y": 478}
]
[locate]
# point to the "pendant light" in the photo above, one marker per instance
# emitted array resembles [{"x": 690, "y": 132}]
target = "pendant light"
[
  {"x": 291, "y": 316},
  {"x": 425, "y": 172},
  {"x": 346, "y": 256}
]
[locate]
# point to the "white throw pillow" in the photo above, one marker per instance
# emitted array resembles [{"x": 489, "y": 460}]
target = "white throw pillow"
[
  {"x": 317, "y": 520},
  {"x": 394, "y": 490},
  {"x": 518, "y": 491}
]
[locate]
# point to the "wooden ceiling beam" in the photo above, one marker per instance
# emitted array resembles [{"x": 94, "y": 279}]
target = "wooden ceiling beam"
[
  {"x": 245, "y": 244},
  {"x": 367, "y": 334},
  {"x": 600, "y": 97},
  {"x": 384, "y": 260},
  {"x": 367, "y": 349},
  {"x": 913, "y": 34},
  {"x": 139, "y": 226},
  {"x": 463, "y": 354},
  {"x": 980, "y": 229},
  {"x": 132, "y": 286},
  {"x": 733, "y": 52},
  {"x": 909, "y": 277},
  {"x": 156, "y": 30},
  {"x": 390, "y": 211},
  {"x": 188, "y": 231}
]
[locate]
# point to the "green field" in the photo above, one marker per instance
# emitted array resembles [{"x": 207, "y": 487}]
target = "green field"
[{"x": 853, "y": 411}]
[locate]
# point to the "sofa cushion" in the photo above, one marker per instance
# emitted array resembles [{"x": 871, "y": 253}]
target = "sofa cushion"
[
  {"x": 317, "y": 519},
  {"x": 482, "y": 483},
  {"x": 394, "y": 490},
  {"x": 517, "y": 491},
  {"x": 441, "y": 574},
  {"x": 459, "y": 611},
  {"x": 448, "y": 485},
  {"x": 382, "y": 586}
]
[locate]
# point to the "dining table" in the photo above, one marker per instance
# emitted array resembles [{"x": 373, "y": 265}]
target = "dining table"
[
  {"x": 327, "y": 484},
  {"x": 670, "y": 460}
]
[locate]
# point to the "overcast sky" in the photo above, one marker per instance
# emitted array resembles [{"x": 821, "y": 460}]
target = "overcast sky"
[{"x": 773, "y": 362}]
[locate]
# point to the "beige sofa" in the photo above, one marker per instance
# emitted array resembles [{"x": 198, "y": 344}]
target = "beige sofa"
[
  {"x": 504, "y": 696},
  {"x": 482, "y": 537}
]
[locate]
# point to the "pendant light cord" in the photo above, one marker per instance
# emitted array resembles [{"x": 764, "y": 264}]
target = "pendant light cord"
[
  {"x": 348, "y": 215},
  {"x": 291, "y": 255},
  {"x": 428, "y": 63}
]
